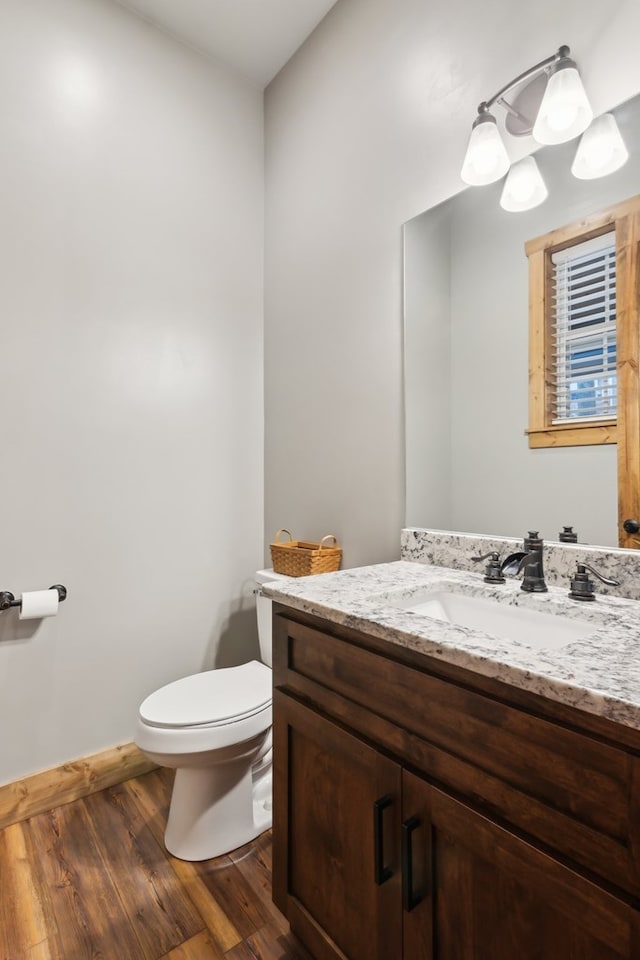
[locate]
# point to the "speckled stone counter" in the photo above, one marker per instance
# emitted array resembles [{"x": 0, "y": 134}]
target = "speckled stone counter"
[
  {"x": 599, "y": 673},
  {"x": 452, "y": 549}
]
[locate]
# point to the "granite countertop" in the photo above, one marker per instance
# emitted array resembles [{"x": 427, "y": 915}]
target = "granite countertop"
[{"x": 598, "y": 673}]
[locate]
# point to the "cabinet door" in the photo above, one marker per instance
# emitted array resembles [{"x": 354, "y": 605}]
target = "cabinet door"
[
  {"x": 489, "y": 895},
  {"x": 336, "y": 837}
]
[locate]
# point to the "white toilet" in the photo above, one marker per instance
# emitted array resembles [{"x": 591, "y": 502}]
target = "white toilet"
[{"x": 215, "y": 729}]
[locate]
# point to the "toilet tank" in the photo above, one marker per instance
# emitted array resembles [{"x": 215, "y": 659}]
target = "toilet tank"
[{"x": 263, "y": 610}]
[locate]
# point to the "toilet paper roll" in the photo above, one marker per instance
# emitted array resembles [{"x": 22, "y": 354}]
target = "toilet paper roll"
[{"x": 36, "y": 604}]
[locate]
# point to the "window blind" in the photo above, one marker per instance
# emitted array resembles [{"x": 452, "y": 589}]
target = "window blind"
[{"x": 584, "y": 331}]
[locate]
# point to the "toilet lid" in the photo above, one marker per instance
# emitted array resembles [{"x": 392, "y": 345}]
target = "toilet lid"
[{"x": 216, "y": 696}]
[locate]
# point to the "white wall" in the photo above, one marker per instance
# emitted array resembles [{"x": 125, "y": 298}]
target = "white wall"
[
  {"x": 131, "y": 248},
  {"x": 365, "y": 128}
]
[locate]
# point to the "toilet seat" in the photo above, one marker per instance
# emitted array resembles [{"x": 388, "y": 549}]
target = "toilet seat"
[{"x": 211, "y": 699}]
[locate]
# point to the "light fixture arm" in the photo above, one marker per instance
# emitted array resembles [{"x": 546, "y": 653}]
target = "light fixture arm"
[
  {"x": 561, "y": 54},
  {"x": 512, "y": 110}
]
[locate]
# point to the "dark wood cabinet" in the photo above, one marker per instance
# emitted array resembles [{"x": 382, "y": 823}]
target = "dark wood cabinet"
[
  {"x": 492, "y": 896},
  {"x": 334, "y": 797},
  {"x": 422, "y": 813}
]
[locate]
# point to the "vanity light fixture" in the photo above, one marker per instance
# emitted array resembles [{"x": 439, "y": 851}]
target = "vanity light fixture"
[{"x": 549, "y": 102}]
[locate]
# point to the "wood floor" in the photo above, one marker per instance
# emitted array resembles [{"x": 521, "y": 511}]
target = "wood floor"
[{"x": 92, "y": 881}]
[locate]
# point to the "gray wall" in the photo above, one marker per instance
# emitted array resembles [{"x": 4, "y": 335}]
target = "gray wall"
[
  {"x": 366, "y": 126},
  {"x": 131, "y": 192},
  {"x": 427, "y": 368}
]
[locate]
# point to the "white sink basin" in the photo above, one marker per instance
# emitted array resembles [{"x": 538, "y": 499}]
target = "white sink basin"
[{"x": 543, "y": 630}]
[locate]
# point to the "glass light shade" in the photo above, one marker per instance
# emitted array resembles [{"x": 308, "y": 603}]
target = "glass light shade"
[
  {"x": 565, "y": 111},
  {"x": 601, "y": 149},
  {"x": 524, "y": 187},
  {"x": 486, "y": 159}
]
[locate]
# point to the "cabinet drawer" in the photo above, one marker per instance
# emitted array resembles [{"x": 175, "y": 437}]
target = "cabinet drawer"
[{"x": 557, "y": 784}]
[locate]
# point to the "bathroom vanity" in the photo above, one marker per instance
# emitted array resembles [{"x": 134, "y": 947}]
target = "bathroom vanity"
[{"x": 444, "y": 794}]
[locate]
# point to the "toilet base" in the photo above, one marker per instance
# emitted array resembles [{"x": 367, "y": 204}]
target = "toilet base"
[{"x": 219, "y": 808}]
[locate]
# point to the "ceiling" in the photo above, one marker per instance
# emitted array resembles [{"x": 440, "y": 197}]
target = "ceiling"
[{"x": 257, "y": 37}]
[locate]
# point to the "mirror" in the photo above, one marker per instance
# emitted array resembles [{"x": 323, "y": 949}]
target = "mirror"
[{"x": 468, "y": 463}]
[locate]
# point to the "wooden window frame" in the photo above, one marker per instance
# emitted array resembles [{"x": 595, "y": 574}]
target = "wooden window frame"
[{"x": 623, "y": 219}]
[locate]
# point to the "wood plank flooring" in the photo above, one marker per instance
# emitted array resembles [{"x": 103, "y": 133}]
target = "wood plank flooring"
[{"x": 92, "y": 881}]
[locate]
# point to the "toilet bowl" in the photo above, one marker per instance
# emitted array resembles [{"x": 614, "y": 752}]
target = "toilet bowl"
[{"x": 214, "y": 728}]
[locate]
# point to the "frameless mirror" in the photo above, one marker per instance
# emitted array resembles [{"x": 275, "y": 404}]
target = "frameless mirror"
[{"x": 468, "y": 463}]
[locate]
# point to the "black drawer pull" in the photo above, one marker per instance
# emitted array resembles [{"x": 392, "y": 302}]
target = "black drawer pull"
[
  {"x": 409, "y": 898},
  {"x": 380, "y": 873}
]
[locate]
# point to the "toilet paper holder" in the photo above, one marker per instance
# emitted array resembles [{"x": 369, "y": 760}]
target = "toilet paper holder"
[{"x": 7, "y": 599}]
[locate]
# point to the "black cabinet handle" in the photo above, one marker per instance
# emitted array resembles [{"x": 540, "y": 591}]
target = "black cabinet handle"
[
  {"x": 409, "y": 898},
  {"x": 631, "y": 526},
  {"x": 380, "y": 873}
]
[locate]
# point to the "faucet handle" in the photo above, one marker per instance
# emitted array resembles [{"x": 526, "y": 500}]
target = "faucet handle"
[
  {"x": 582, "y": 587},
  {"x": 493, "y": 570}
]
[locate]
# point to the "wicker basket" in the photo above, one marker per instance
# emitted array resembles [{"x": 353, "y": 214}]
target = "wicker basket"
[{"x": 298, "y": 558}]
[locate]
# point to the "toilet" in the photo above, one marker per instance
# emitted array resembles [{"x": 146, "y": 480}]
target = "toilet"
[{"x": 214, "y": 728}]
